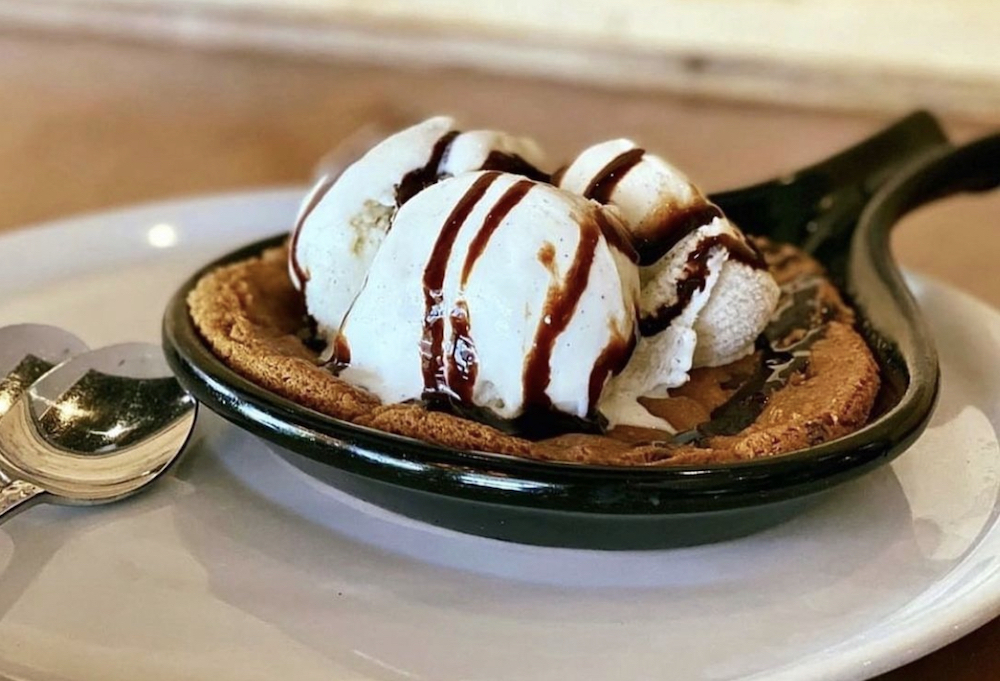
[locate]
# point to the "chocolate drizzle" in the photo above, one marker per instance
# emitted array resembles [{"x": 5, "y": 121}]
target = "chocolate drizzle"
[
  {"x": 547, "y": 256},
  {"x": 616, "y": 236},
  {"x": 695, "y": 276},
  {"x": 431, "y": 350},
  {"x": 341, "y": 356},
  {"x": 560, "y": 303},
  {"x": 514, "y": 164},
  {"x": 676, "y": 224},
  {"x": 450, "y": 384},
  {"x": 501, "y": 208},
  {"x": 463, "y": 366},
  {"x": 420, "y": 178},
  {"x": 611, "y": 361},
  {"x": 603, "y": 184},
  {"x": 784, "y": 348},
  {"x": 317, "y": 195}
]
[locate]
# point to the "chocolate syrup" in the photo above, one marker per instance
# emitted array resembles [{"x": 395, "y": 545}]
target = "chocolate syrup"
[
  {"x": 560, "y": 303},
  {"x": 341, "y": 355},
  {"x": 540, "y": 418},
  {"x": 463, "y": 366},
  {"x": 800, "y": 308},
  {"x": 611, "y": 361},
  {"x": 317, "y": 196},
  {"x": 515, "y": 164},
  {"x": 420, "y": 178},
  {"x": 547, "y": 255},
  {"x": 674, "y": 226},
  {"x": 501, "y": 208},
  {"x": 694, "y": 278},
  {"x": 535, "y": 424},
  {"x": 616, "y": 236},
  {"x": 431, "y": 352},
  {"x": 603, "y": 184}
]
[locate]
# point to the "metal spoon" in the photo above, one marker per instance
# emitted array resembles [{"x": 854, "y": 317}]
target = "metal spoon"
[
  {"x": 95, "y": 429},
  {"x": 27, "y": 351}
]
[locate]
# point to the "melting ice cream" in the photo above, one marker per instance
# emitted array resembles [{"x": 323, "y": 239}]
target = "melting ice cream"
[
  {"x": 446, "y": 266},
  {"x": 706, "y": 293}
]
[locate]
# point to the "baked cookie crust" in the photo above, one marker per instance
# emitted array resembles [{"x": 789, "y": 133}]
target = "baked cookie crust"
[{"x": 253, "y": 319}]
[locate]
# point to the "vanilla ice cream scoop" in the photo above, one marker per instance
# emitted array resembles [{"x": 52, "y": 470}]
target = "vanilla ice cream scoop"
[
  {"x": 706, "y": 292},
  {"x": 344, "y": 219},
  {"x": 441, "y": 265},
  {"x": 702, "y": 304},
  {"x": 496, "y": 291},
  {"x": 657, "y": 202}
]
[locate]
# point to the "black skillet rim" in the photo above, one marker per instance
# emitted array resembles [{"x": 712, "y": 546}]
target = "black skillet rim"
[{"x": 581, "y": 488}]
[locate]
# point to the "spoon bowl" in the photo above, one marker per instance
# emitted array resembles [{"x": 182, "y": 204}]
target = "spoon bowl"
[
  {"x": 97, "y": 428},
  {"x": 27, "y": 351}
]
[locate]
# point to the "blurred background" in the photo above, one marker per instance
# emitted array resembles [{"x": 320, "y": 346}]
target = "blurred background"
[
  {"x": 107, "y": 102},
  {"x": 111, "y": 102}
]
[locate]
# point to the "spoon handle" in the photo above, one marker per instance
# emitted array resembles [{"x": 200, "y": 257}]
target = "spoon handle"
[{"x": 16, "y": 495}]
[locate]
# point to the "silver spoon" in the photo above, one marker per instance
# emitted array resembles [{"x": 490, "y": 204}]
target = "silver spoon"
[
  {"x": 95, "y": 429},
  {"x": 27, "y": 351}
]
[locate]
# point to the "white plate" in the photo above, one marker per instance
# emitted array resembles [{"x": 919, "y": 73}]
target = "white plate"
[{"x": 240, "y": 567}]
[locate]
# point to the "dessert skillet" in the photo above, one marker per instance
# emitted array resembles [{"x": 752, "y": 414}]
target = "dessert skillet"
[{"x": 817, "y": 209}]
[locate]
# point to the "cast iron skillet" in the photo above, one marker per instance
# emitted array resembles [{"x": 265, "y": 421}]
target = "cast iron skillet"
[{"x": 558, "y": 504}]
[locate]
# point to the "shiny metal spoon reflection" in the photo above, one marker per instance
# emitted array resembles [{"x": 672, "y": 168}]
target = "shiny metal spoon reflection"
[
  {"x": 27, "y": 351},
  {"x": 95, "y": 429}
]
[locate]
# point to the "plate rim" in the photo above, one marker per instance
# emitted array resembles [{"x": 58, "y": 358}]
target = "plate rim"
[{"x": 960, "y": 614}]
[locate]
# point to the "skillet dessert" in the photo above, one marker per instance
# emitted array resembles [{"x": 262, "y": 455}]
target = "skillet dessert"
[{"x": 443, "y": 287}]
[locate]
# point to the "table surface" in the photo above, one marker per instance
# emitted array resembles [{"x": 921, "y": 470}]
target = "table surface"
[{"x": 89, "y": 125}]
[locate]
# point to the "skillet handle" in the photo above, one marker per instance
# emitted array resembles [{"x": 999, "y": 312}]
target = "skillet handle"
[
  {"x": 818, "y": 207},
  {"x": 974, "y": 167},
  {"x": 872, "y": 271}
]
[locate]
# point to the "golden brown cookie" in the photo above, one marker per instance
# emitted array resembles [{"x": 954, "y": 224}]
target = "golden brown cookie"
[{"x": 254, "y": 320}]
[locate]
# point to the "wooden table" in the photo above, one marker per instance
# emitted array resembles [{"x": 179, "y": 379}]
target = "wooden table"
[{"x": 86, "y": 125}]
